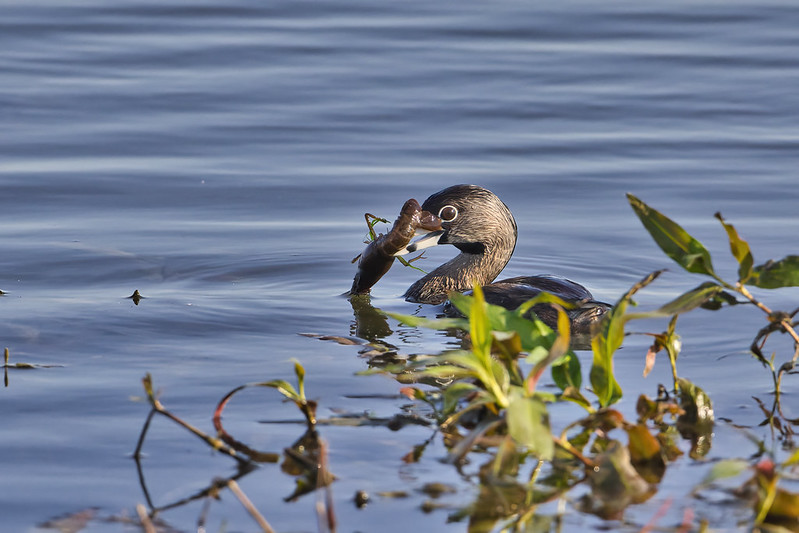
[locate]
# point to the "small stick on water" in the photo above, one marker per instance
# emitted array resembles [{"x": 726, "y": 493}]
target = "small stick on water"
[
  {"x": 245, "y": 501},
  {"x": 144, "y": 518}
]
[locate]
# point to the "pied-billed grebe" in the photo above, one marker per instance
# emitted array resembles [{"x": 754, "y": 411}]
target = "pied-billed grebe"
[{"x": 481, "y": 226}]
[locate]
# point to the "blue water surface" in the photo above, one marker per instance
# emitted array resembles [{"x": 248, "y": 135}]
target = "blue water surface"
[{"x": 219, "y": 158}]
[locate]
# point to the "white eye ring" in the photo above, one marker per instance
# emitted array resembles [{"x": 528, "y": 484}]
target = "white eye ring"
[{"x": 450, "y": 208}]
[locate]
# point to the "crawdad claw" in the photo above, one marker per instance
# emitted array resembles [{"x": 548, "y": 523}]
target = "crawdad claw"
[{"x": 379, "y": 255}]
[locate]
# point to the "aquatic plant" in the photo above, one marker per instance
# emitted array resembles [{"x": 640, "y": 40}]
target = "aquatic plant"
[
  {"x": 488, "y": 378},
  {"x": 486, "y": 401},
  {"x": 491, "y": 395},
  {"x": 373, "y": 237},
  {"x": 306, "y": 458}
]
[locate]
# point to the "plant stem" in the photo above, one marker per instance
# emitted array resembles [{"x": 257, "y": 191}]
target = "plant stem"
[
  {"x": 784, "y": 321},
  {"x": 245, "y": 501},
  {"x": 144, "y": 518},
  {"x": 566, "y": 445}
]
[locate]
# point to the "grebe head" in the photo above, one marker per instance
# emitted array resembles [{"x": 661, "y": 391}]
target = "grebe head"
[
  {"x": 476, "y": 222},
  {"x": 473, "y": 219}
]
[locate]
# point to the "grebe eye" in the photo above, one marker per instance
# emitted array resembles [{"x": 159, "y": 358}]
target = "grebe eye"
[{"x": 448, "y": 213}]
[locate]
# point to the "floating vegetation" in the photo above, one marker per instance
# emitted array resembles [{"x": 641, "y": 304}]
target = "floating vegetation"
[
  {"x": 19, "y": 366},
  {"x": 487, "y": 404}
]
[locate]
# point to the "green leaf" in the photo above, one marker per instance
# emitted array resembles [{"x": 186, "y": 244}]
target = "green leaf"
[
  {"x": 438, "y": 323},
  {"x": 691, "y": 299},
  {"x": 683, "y": 303},
  {"x": 740, "y": 250},
  {"x": 776, "y": 274},
  {"x": 537, "y": 354},
  {"x": 566, "y": 372},
  {"x": 465, "y": 359},
  {"x": 532, "y": 332},
  {"x": 726, "y": 468},
  {"x": 501, "y": 375},
  {"x": 284, "y": 387},
  {"x": 718, "y": 301},
  {"x": 543, "y": 298},
  {"x": 559, "y": 347},
  {"x": 462, "y": 302},
  {"x": 299, "y": 371},
  {"x": 607, "y": 341},
  {"x": 793, "y": 459},
  {"x": 573, "y": 395},
  {"x": 528, "y": 424},
  {"x": 446, "y": 371},
  {"x": 454, "y": 393},
  {"x": 604, "y": 345},
  {"x": 688, "y": 252},
  {"x": 603, "y": 381},
  {"x": 479, "y": 326}
]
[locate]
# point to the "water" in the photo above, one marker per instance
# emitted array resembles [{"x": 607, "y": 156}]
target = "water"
[{"x": 219, "y": 159}]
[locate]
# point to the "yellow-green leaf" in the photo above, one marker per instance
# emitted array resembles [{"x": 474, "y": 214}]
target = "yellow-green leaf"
[{"x": 740, "y": 250}]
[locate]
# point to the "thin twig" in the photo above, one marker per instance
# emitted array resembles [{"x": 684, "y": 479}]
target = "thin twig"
[
  {"x": 157, "y": 407},
  {"x": 566, "y": 445},
  {"x": 144, "y": 518},
  {"x": 234, "y": 488},
  {"x": 784, "y": 321},
  {"x": 140, "y": 443},
  {"x": 213, "y": 442}
]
